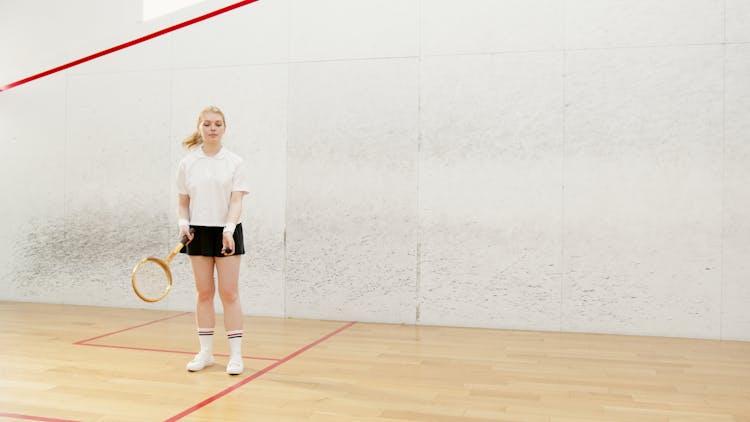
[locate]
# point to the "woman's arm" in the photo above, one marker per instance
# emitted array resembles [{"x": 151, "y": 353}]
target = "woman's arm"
[
  {"x": 183, "y": 215},
  {"x": 235, "y": 207},
  {"x": 233, "y": 217}
]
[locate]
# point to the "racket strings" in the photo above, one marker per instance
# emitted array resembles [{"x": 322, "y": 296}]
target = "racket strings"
[{"x": 151, "y": 281}]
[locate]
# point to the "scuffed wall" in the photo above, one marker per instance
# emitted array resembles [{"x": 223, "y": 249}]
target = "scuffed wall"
[{"x": 549, "y": 165}]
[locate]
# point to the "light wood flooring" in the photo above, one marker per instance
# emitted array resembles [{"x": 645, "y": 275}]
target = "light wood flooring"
[{"x": 76, "y": 363}]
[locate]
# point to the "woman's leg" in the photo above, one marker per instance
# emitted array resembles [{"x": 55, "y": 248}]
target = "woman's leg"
[
  {"x": 228, "y": 269},
  {"x": 203, "y": 271}
]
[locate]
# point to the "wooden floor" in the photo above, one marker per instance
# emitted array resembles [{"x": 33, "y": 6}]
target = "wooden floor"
[{"x": 72, "y": 363}]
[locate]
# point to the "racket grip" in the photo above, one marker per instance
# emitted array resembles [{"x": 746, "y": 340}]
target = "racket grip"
[
  {"x": 185, "y": 239},
  {"x": 178, "y": 247},
  {"x": 227, "y": 251}
]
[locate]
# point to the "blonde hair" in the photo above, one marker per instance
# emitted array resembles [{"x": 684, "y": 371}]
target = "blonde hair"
[{"x": 195, "y": 138}]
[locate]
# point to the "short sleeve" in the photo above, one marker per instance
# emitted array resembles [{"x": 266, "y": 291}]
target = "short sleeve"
[
  {"x": 239, "y": 180},
  {"x": 181, "y": 180}
]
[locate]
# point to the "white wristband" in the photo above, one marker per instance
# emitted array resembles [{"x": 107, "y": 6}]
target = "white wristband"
[
  {"x": 183, "y": 222},
  {"x": 229, "y": 228}
]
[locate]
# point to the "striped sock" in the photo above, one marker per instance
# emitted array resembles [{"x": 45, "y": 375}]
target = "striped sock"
[
  {"x": 206, "y": 338},
  {"x": 235, "y": 342}
]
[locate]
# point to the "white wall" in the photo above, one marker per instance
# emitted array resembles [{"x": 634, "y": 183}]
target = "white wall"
[{"x": 568, "y": 165}]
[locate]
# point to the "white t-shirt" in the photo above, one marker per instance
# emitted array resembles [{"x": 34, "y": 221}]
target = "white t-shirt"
[{"x": 209, "y": 182}]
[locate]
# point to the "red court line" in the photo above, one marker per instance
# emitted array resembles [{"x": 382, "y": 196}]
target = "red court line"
[
  {"x": 131, "y": 328},
  {"x": 256, "y": 374},
  {"x": 128, "y": 44},
  {"x": 32, "y": 418},
  {"x": 115, "y": 346}
]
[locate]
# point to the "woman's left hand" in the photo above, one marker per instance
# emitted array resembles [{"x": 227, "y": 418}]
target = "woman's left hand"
[{"x": 227, "y": 244}]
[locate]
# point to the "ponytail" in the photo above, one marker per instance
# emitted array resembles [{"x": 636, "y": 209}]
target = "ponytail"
[{"x": 192, "y": 141}]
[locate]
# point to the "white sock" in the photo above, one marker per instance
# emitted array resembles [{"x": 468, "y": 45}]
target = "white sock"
[
  {"x": 235, "y": 343},
  {"x": 206, "y": 338}
]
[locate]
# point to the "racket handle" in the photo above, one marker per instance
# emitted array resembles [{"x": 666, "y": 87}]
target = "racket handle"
[
  {"x": 178, "y": 247},
  {"x": 227, "y": 251},
  {"x": 185, "y": 239}
]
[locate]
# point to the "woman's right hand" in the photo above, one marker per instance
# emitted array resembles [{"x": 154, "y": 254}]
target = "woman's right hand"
[{"x": 185, "y": 232}]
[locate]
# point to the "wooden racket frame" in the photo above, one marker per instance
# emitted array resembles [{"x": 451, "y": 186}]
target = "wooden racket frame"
[{"x": 164, "y": 264}]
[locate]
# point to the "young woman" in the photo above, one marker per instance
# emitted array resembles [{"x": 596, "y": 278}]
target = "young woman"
[{"x": 211, "y": 184}]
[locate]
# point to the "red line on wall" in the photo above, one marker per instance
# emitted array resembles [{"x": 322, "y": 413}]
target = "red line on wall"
[
  {"x": 127, "y": 44},
  {"x": 256, "y": 374},
  {"x": 32, "y": 418}
]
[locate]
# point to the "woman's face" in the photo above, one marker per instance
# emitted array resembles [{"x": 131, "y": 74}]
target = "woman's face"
[{"x": 212, "y": 127}]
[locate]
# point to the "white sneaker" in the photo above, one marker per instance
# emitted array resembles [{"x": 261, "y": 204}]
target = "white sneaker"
[
  {"x": 235, "y": 366},
  {"x": 200, "y": 361}
]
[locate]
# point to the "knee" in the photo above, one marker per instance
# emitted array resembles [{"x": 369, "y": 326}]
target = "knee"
[
  {"x": 228, "y": 295},
  {"x": 205, "y": 294}
]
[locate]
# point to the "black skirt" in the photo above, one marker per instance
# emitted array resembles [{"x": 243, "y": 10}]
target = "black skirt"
[{"x": 207, "y": 241}]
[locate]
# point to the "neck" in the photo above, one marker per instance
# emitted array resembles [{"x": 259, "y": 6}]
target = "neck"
[{"x": 211, "y": 149}]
